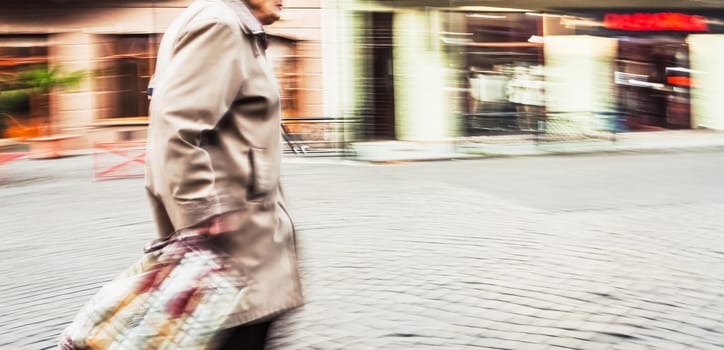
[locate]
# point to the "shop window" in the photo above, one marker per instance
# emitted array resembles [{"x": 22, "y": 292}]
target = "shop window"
[
  {"x": 20, "y": 112},
  {"x": 284, "y": 56},
  {"x": 125, "y": 69},
  {"x": 127, "y": 63},
  {"x": 500, "y": 70}
]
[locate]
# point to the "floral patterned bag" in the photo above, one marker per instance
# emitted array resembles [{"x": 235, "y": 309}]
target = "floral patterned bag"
[{"x": 179, "y": 295}]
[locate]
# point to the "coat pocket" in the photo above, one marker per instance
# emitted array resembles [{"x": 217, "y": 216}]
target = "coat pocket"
[{"x": 264, "y": 174}]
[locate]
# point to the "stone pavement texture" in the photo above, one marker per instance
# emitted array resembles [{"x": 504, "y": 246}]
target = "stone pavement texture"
[{"x": 412, "y": 257}]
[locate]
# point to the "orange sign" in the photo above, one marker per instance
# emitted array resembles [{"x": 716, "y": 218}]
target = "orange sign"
[
  {"x": 655, "y": 22},
  {"x": 680, "y": 81}
]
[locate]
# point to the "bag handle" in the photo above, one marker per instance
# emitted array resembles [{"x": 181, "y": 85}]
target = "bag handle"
[{"x": 207, "y": 228}]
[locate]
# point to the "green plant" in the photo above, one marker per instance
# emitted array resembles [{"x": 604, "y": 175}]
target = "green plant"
[
  {"x": 27, "y": 88},
  {"x": 43, "y": 80}
]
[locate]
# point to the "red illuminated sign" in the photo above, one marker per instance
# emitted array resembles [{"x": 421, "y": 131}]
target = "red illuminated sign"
[
  {"x": 655, "y": 22},
  {"x": 680, "y": 81}
]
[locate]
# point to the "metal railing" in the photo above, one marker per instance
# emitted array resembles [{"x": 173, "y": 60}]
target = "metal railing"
[
  {"x": 317, "y": 136},
  {"x": 580, "y": 125},
  {"x": 542, "y": 127}
]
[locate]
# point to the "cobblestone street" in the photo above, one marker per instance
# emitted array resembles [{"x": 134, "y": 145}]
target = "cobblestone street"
[{"x": 621, "y": 251}]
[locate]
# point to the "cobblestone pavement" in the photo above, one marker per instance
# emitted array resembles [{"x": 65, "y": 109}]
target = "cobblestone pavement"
[{"x": 418, "y": 256}]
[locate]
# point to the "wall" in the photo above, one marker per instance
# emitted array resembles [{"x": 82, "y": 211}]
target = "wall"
[
  {"x": 707, "y": 97},
  {"x": 578, "y": 73},
  {"x": 421, "y": 106}
]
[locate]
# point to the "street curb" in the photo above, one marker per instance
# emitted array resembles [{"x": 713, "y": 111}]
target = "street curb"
[{"x": 544, "y": 153}]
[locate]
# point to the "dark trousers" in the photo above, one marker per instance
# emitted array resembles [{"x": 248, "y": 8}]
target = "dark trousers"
[{"x": 247, "y": 337}]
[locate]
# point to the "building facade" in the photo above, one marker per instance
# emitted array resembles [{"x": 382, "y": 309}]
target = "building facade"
[
  {"x": 431, "y": 71},
  {"x": 418, "y": 70},
  {"x": 113, "y": 44}
]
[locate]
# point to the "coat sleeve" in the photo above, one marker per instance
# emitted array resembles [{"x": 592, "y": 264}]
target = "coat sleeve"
[{"x": 199, "y": 85}]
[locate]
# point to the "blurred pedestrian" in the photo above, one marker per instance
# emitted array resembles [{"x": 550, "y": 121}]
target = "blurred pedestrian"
[{"x": 214, "y": 152}]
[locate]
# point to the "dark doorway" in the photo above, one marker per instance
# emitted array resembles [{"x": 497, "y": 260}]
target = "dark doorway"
[
  {"x": 652, "y": 79},
  {"x": 381, "y": 94}
]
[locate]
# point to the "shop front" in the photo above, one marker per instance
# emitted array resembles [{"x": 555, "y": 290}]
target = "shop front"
[
  {"x": 499, "y": 69},
  {"x": 428, "y": 71},
  {"x": 662, "y": 79}
]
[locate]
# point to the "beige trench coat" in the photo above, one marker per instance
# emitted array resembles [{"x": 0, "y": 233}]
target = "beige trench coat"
[{"x": 214, "y": 147}]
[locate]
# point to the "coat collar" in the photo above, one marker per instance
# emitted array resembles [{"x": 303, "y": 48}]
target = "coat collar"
[{"x": 248, "y": 21}]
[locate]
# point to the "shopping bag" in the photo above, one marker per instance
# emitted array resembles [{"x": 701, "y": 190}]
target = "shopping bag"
[{"x": 179, "y": 295}]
